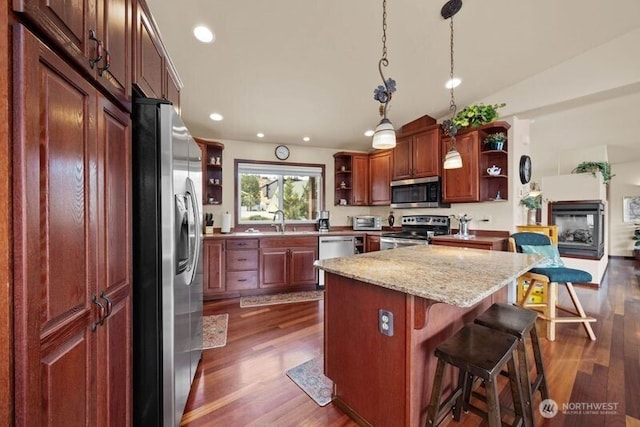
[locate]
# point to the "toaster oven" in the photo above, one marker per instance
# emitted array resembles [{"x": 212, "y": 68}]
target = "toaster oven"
[{"x": 367, "y": 222}]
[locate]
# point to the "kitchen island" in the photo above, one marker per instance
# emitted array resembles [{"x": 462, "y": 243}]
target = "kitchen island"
[{"x": 431, "y": 292}]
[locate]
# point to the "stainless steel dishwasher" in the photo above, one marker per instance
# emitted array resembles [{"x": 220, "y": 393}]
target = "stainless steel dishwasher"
[{"x": 334, "y": 247}]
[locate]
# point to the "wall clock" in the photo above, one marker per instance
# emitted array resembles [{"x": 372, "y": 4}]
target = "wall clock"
[
  {"x": 282, "y": 152},
  {"x": 525, "y": 169}
]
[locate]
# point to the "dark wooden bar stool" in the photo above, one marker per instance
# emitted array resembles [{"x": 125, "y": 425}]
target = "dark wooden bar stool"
[
  {"x": 477, "y": 352},
  {"x": 519, "y": 322}
]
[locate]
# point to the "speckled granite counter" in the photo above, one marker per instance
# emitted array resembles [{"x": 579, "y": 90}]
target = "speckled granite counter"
[{"x": 460, "y": 277}]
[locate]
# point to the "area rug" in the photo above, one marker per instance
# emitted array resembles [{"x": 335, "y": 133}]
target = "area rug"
[
  {"x": 310, "y": 378},
  {"x": 256, "y": 301},
  {"x": 214, "y": 331}
]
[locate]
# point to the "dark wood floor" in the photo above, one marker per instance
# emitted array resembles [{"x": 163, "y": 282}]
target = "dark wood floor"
[{"x": 244, "y": 383}]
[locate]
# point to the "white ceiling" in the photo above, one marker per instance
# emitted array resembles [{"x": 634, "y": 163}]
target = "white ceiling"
[{"x": 294, "y": 68}]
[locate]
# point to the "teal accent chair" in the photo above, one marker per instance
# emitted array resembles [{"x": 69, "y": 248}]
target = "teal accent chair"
[{"x": 550, "y": 278}]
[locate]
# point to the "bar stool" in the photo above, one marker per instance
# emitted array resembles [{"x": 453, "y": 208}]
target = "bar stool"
[
  {"x": 519, "y": 322},
  {"x": 477, "y": 351}
]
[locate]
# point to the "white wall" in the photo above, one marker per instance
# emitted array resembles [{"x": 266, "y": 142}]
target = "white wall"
[{"x": 625, "y": 183}]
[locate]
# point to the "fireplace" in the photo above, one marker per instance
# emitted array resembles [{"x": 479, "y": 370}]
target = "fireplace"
[{"x": 580, "y": 228}]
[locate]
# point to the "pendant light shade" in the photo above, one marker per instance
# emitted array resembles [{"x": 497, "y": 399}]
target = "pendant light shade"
[
  {"x": 452, "y": 160},
  {"x": 384, "y": 136}
]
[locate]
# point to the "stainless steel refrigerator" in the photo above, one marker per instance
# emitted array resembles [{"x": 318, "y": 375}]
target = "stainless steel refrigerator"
[{"x": 167, "y": 263}]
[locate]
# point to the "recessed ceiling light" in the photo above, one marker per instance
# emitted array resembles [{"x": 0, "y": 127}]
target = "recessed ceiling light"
[
  {"x": 368, "y": 133},
  {"x": 306, "y": 139},
  {"x": 204, "y": 34},
  {"x": 455, "y": 82},
  {"x": 260, "y": 135},
  {"x": 216, "y": 117}
]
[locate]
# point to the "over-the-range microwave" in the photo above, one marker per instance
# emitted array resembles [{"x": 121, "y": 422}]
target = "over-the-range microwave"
[{"x": 417, "y": 193}]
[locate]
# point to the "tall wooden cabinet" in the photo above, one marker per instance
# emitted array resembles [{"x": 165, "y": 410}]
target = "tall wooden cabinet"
[
  {"x": 380, "y": 177},
  {"x": 472, "y": 183},
  {"x": 351, "y": 178},
  {"x": 72, "y": 233}
]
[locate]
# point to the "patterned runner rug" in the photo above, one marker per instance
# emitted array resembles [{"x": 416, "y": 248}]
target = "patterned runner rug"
[
  {"x": 310, "y": 378},
  {"x": 214, "y": 331},
  {"x": 258, "y": 300}
]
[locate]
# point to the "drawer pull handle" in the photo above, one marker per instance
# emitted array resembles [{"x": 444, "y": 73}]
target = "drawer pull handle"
[
  {"x": 242, "y": 280},
  {"x": 242, "y": 259}
]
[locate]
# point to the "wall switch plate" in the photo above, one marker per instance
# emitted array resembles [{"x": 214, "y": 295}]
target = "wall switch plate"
[{"x": 385, "y": 322}]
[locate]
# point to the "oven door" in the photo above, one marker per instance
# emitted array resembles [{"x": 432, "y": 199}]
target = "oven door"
[{"x": 395, "y": 242}]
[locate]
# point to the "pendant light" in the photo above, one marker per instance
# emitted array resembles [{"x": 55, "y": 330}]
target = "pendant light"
[
  {"x": 452, "y": 160},
  {"x": 384, "y": 135}
]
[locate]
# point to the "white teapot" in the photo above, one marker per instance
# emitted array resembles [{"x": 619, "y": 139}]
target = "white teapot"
[{"x": 494, "y": 170}]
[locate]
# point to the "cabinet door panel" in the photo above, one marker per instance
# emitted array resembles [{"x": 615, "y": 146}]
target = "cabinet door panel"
[
  {"x": 55, "y": 234},
  {"x": 214, "y": 261},
  {"x": 115, "y": 362},
  {"x": 360, "y": 180},
  {"x": 402, "y": 159},
  {"x": 462, "y": 185},
  {"x": 426, "y": 153},
  {"x": 115, "y": 160},
  {"x": 67, "y": 23},
  {"x": 274, "y": 264},
  {"x": 302, "y": 271},
  {"x": 114, "y": 29},
  {"x": 149, "y": 57},
  {"x": 380, "y": 178}
]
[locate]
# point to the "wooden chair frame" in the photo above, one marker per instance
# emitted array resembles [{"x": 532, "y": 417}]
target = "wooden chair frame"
[{"x": 549, "y": 307}]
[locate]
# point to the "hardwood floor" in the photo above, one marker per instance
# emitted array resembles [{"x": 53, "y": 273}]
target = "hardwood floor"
[{"x": 244, "y": 383}]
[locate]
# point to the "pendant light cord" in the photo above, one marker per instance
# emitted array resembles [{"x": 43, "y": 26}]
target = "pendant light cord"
[
  {"x": 384, "y": 61},
  {"x": 452, "y": 104}
]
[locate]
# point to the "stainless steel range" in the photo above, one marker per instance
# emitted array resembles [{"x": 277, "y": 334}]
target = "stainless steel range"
[{"x": 416, "y": 230}]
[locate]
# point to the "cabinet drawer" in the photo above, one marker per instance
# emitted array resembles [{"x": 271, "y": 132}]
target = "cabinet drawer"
[
  {"x": 242, "y": 244},
  {"x": 237, "y": 280},
  {"x": 290, "y": 242},
  {"x": 242, "y": 260}
]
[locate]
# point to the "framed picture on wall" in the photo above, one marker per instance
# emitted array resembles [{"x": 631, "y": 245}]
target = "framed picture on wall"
[{"x": 631, "y": 208}]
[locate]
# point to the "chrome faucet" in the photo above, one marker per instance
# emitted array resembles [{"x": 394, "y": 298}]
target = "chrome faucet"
[{"x": 275, "y": 215}]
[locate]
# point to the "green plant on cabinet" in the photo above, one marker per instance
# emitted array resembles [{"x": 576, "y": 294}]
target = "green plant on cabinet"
[
  {"x": 475, "y": 115},
  {"x": 593, "y": 167}
]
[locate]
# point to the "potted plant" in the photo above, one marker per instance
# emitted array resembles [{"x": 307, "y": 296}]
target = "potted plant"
[
  {"x": 495, "y": 141},
  {"x": 593, "y": 167},
  {"x": 475, "y": 115},
  {"x": 532, "y": 203}
]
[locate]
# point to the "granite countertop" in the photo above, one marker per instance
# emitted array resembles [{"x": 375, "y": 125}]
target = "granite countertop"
[
  {"x": 456, "y": 276},
  {"x": 288, "y": 234}
]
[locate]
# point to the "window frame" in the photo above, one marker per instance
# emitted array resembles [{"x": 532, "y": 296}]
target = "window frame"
[{"x": 283, "y": 165}]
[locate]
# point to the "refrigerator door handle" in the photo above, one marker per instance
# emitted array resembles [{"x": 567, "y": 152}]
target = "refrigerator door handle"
[{"x": 195, "y": 228}]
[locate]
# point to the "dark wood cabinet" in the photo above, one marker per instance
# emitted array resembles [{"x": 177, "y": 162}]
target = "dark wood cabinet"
[
  {"x": 472, "y": 183},
  {"x": 95, "y": 34},
  {"x": 417, "y": 155},
  {"x": 380, "y": 178},
  {"x": 351, "y": 178},
  {"x": 72, "y": 234},
  {"x": 373, "y": 242},
  {"x": 242, "y": 264},
  {"x": 462, "y": 184},
  {"x": 153, "y": 72},
  {"x": 211, "y": 171},
  {"x": 214, "y": 267},
  {"x": 149, "y": 68},
  {"x": 288, "y": 262}
]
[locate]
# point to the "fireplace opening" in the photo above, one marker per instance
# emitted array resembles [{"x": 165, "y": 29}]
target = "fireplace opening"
[{"x": 580, "y": 228}]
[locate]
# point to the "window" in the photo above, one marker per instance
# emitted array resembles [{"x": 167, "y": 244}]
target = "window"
[{"x": 264, "y": 188}]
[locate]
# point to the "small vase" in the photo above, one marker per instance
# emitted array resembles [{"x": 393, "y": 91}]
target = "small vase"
[
  {"x": 531, "y": 217},
  {"x": 391, "y": 219}
]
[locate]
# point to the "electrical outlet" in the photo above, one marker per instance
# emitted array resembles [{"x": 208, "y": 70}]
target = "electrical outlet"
[{"x": 385, "y": 322}]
